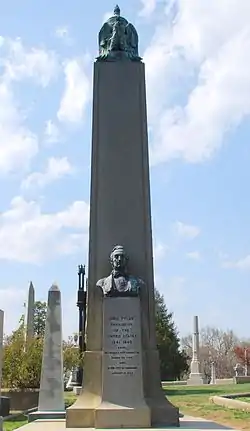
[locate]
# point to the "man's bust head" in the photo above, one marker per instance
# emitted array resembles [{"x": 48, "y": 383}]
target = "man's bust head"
[{"x": 119, "y": 260}]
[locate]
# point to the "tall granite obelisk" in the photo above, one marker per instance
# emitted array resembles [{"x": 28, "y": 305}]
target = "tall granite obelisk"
[{"x": 120, "y": 213}]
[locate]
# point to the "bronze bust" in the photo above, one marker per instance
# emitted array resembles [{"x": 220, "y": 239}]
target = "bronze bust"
[{"x": 119, "y": 282}]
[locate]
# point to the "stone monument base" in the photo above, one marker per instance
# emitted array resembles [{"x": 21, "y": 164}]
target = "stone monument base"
[
  {"x": 195, "y": 379},
  {"x": 109, "y": 415},
  {"x": 46, "y": 415},
  {"x": 86, "y": 414},
  {"x": 163, "y": 413},
  {"x": 87, "y": 411}
]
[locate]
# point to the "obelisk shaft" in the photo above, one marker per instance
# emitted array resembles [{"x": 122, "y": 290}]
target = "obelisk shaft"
[
  {"x": 30, "y": 313},
  {"x": 51, "y": 394},
  {"x": 120, "y": 194},
  {"x": 196, "y": 339},
  {"x": 120, "y": 212}
]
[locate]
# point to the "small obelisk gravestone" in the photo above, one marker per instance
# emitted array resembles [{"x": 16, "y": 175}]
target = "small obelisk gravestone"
[
  {"x": 213, "y": 374},
  {"x": 30, "y": 314},
  {"x": 1, "y": 360},
  {"x": 195, "y": 377},
  {"x": 51, "y": 394}
]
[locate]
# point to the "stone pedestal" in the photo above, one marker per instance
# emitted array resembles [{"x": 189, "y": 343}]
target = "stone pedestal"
[
  {"x": 120, "y": 214},
  {"x": 123, "y": 404}
]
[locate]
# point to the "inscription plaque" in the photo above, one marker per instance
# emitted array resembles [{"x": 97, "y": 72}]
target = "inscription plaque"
[{"x": 122, "y": 364}]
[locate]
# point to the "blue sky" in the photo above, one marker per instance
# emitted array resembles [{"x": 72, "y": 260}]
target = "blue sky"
[{"x": 198, "y": 86}]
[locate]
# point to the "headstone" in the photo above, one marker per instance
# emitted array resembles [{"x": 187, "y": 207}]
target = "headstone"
[
  {"x": 195, "y": 377},
  {"x": 30, "y": 314},
  {"x": 120, "y": 213},
  {"x": 213, "y": 374},
  {"x": 239, "y": 370},
  {"x": 72, "y": 380},
  {"x": 51, "y": 394},
  {"x": 1, "y": 359}
]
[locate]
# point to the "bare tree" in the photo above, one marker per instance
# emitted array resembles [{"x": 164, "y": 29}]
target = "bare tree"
[{"x": 215, "y": 345}]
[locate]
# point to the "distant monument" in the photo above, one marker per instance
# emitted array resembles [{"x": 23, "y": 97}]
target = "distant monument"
[
  {"x": 213, "y": 374},
  {"x": 122, "y": 384},
  {"x": 30, "y": 313},
  {"x": 195, "y": 377},
  {"x": 51, "y": 394}
]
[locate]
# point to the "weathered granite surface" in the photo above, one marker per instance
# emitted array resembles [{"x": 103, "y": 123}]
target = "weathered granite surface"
[{"x": 51, "y": 394}]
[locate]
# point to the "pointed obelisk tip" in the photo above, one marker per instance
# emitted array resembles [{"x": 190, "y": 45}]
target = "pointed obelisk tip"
[
  {"x": 31, "y": 286},
  {"x": 117, "y": 10},
  {"x": 54, "y": 288}
]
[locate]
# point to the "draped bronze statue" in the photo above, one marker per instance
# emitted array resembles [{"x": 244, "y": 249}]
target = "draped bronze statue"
[{"x": 118, "y": 39}]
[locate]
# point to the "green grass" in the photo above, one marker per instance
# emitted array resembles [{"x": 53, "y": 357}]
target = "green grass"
[
  {"x": 14, "y": 423},
  {"x": 21, "y": 419},
  {"x": 194, "y": 401},
  {"x": 245, "y": 399}
]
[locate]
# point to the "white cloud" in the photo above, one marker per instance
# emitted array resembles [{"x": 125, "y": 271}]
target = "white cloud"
[
  {"x": 12, "y": 303},
  {"x": 20, "y": 62},
  {"x": 29, "y": 235},
  {"x": 77, "y": 91},
  {"x": 242, "y": 264},
  {"x": 186, "y": 231},
  {"x": 56, "y": 169},
  {"x": 197, "y": 42},
  {"x": 51, "y": 133},
  {"x": 148, "y": 7},
  {"x": 194, "y": 255},
  {"x": 18, "y": 145}
]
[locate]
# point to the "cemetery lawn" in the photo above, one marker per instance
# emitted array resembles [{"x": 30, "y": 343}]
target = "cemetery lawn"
[
  {"x": 194, "y": 401},
  {"x": 245, "y": 399},
  {"x": 15, "y": 423}
]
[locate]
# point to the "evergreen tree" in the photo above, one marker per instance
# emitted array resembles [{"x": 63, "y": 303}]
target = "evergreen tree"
[{"x": 173, "y": 361}]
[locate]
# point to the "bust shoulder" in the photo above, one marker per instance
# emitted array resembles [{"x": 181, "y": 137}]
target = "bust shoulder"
[
  {"x": 101, "y": 282},
  {"x": 136, "y": 279}
]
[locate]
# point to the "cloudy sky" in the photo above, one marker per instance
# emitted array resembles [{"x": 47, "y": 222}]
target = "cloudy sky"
[{"x": 198, "y": 93}]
